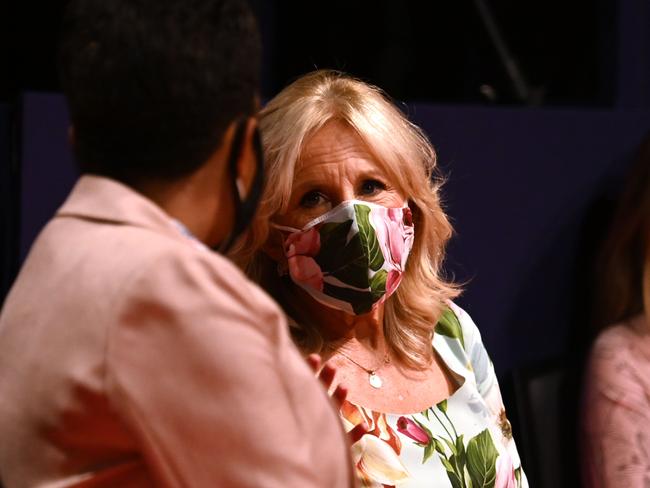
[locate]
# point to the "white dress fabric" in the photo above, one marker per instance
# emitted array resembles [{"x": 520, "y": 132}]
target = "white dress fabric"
[{"x": 464, "y": 441}]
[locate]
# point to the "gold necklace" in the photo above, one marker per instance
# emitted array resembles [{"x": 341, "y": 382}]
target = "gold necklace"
[{"x": 373, "y": 378}]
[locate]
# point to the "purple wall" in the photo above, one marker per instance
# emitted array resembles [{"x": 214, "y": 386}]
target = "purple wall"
[
  {"x": 528, "y": 193},
  {"x": 47, "y": 168}
]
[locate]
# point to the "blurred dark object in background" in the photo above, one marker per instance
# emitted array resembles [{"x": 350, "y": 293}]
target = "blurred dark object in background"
[
  {"x": 416, "y": 51},
  {"x": 441, "y": 51}
]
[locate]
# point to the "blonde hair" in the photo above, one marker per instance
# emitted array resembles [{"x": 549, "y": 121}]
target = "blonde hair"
[{"x": 408, "y": 158}]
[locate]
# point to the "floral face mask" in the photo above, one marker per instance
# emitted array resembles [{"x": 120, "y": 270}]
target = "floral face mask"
[{"x": 352, "y": 257}]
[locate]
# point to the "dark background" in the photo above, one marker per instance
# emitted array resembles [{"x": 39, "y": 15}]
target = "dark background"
[
  {"x": 417, "y": 51},
  {"x": 534, "y": 160}
]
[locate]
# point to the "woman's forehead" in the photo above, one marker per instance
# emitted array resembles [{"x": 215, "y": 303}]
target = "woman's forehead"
[
  {"x": 333, "y": 137},
  {"x": 336, "y": 146}
]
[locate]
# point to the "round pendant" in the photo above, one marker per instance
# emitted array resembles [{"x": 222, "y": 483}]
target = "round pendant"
[{"x": 375, "y": 381}]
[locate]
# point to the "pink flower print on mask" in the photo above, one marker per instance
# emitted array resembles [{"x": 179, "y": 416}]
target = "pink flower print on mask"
[
  {"x": 350, "y": 258},
  {"x": 394, "y": 233},
  {"x": 392, "y": 281},
  {"x": 306, "y": 243},
  {"x": 303, "y": 268}
]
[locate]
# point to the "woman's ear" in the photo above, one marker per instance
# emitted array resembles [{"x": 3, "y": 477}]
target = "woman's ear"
[
  {"x": 274, "y": 246},
  {"x": 247, "y": 162}
]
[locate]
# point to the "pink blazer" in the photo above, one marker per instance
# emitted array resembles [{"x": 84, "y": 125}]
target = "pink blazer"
[{"x": 130, "y": 355}]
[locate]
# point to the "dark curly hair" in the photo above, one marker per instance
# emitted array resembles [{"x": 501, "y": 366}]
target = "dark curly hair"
[{"x": 152, "y": 85}]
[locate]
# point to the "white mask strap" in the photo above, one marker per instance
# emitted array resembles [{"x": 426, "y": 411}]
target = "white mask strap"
[
  {"x": 285, "y": 228},
  {"x": 241, "y": 189}
]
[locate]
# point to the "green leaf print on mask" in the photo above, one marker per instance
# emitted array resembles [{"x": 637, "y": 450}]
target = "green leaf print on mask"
[
  {"x": 347, "y": 260},
  {"x": 448, "y": 325},
  {"x": 481, "y": 460},
  {"x": 341, "y": 258},
  {"x": 369, "y": 237},
  {"x": 378, "y": 284},
  {"x": 354, "y": 274},
  {"x": 333, "y": 239}
]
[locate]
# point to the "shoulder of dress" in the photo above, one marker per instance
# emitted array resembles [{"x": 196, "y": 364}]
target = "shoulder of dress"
[
  {"x": 456, "y": 324},
  {"x": 453, "y": 338}
]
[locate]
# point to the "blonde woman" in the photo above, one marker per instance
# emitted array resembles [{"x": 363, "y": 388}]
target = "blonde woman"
[
  {"x": 616, "y": 408},
  {"x": 350, "y": 240}
]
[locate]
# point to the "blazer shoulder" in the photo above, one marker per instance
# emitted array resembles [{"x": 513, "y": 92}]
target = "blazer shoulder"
[{"x": 193, "y": 278}]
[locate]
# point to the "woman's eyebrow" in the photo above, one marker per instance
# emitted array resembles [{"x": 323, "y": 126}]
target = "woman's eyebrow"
[
  {"x": 311, "y": 184},
  {"x": 310, "y": 177},
  {"x": 374, "y": 174}
]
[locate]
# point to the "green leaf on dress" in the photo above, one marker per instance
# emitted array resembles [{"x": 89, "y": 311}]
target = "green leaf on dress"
[
  {"x": 481, "y": 460},
  {"x": 451, "y": 446},
  {"x": 448, "y": 325},
  {"x": 439, "y": 446},
  {"x": 455, "y": 481},
  {"x": 460, "y": 448},
  {"x": 455, "y": 477},
  {"x": 428, "y": 452},
  {"x": 442, "y": 406},
  {"x": 369, "y": 237}
]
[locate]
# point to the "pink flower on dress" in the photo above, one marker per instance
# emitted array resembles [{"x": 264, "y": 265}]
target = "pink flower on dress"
[
  {"x": 505, "y": 477},
  {"x": 411, "y": 429},
  {"x": 376, "y": 454}
]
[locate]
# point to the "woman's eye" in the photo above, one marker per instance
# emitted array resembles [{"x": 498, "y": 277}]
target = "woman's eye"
[
  {"x": 370, "y": 187},
  {"x": 311, "y": 199}
]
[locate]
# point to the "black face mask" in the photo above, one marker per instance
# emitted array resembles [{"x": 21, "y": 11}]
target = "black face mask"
[{"x": 244, "y": 209}]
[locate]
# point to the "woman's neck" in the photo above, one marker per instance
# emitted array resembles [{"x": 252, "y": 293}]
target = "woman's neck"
[{"x": 338, "y": 328}]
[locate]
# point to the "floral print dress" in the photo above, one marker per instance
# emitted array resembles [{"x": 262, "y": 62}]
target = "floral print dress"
[{"x": 464, "y": 441}]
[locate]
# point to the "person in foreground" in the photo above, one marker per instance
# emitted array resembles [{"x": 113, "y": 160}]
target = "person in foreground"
[
  {"x": 130, "y": 353},
  {"x": 350, "y": 239},
  {"x": 616, "y": 400}
]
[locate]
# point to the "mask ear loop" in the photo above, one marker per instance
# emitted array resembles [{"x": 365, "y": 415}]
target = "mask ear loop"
[
  {"x": 282, "y": 267},
  {"x": 284, "y": 227},
  {"x": 244, "y": 207}
]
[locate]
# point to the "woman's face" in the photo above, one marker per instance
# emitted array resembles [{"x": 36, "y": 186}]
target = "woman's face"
[{"x": 336, "y": 166}]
